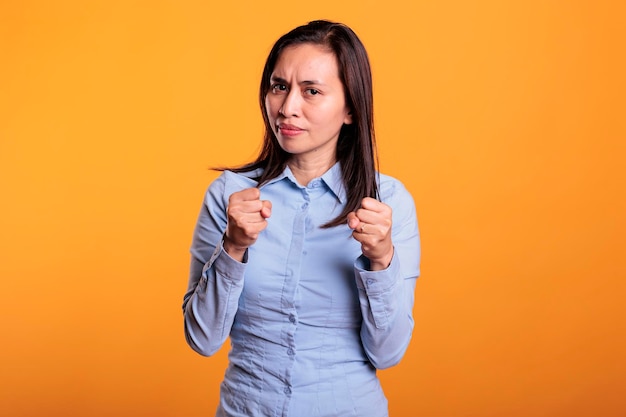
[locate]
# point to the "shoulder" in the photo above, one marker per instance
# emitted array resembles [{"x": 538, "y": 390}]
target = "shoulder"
[
  {"x": 229, "y": 182},
  {"x": 392, "y": 191}
]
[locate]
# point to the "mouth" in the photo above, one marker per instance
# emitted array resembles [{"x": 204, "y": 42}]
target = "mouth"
[{"x": 289, "y": 130}]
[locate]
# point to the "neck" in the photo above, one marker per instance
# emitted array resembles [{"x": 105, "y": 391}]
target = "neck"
[{"x": 305, "y": 171}]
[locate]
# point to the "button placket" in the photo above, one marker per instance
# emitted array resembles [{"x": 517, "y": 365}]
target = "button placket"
[{"x": 292, "y": 277}]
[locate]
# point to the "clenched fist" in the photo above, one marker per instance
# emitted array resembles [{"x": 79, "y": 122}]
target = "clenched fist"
[
  {"x": 247, "y": 215},
  {"x": 371, "y": 225}
]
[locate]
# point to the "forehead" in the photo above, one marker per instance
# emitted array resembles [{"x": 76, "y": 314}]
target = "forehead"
[{"x": 306, "y": 59}]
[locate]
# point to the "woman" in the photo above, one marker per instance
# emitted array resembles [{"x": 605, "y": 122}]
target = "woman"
[{"x": 307, "y": 257}]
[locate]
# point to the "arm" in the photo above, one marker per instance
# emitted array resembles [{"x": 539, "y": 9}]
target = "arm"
[
  {"x": 224, "y": 231},
  {"x": 215, "y": 279},
  {"x": 386, "y": 295}
]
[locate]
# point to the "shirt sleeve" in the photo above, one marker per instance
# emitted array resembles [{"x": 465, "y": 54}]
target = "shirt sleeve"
[
  {"x": 215, "y": 279},
  {"x": 386, "y": 297}
]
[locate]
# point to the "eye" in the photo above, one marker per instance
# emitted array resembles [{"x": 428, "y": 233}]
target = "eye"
[
  {"x": 312, "y": 91},
  {"x": 277, "y": 88}
]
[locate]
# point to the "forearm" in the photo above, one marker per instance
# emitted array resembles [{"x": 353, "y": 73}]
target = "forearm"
[
  {"x": 210, "y": 307},
  {"x": 386, "y": 301}
]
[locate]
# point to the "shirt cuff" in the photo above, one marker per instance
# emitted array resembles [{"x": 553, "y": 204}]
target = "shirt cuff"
[
  {"x": 225, "y": 265},
  {"x": 376, "y": 282}
]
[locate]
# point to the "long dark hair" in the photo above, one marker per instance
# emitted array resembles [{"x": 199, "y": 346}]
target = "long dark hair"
[{"x": 356, "y": 149}]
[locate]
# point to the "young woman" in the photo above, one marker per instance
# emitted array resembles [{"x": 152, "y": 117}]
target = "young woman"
[{"x": 307, "y": 257}]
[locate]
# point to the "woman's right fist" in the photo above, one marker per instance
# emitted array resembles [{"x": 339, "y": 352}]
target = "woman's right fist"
[{"x": 247, "y": 215}]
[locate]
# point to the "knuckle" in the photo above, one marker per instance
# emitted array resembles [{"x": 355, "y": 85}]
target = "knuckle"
[{"x": 254, "y": 192}]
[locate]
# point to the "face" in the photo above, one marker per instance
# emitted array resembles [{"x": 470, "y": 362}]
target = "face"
[{"x": 306, "y": 103}]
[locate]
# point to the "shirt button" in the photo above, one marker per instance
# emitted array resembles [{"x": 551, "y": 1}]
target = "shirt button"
[
  {"x": 305, "y": 205},
  {"x": 287, "y": 390},
  {"x": 290, "y": 352},
  {"x": 292, "y": 318},
  {"x": 370, "y": 282}
]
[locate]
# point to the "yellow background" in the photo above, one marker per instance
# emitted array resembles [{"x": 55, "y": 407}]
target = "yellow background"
[{"x": 506, "y": 121}]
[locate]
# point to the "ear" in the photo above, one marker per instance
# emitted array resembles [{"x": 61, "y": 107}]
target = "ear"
[{"x": 347, "y": 120}]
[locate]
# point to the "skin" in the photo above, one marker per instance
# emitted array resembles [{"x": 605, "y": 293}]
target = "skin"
[{"x": 306, "y": 108}]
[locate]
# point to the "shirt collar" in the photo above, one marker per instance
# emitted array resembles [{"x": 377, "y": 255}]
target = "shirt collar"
[{"x": 333, "y": 179}]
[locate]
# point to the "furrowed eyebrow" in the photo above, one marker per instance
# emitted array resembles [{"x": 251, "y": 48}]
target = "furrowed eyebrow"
[
  {"x": 305, "y": 82},
  {"x": 311, "y": 83}
]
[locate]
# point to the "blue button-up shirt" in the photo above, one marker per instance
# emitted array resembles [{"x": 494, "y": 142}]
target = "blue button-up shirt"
[{"x": 308, "y": 323}]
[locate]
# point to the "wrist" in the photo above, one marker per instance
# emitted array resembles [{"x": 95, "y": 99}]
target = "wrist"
[
  {"x": 381, "y": 263},
  {"x": 235, "y": 251}
]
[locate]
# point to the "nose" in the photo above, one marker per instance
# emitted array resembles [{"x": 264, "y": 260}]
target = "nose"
[{"x": 291, "y": 104}]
